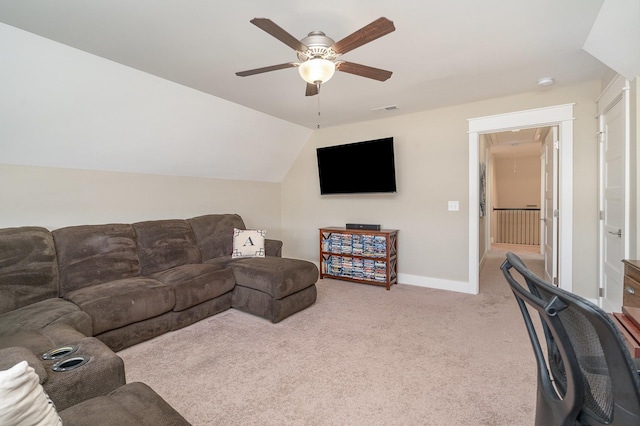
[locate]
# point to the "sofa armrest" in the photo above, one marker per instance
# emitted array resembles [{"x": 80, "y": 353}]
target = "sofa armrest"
[
  {"x": 11, "y": 356},
  {"x": 273, "y": 247}
]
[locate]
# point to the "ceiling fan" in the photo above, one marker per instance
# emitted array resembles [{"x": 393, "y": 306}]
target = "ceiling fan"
[{"x": 319, "y": 55}]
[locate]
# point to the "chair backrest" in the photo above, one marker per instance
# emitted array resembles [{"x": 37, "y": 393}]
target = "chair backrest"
[{"x": 587, "y": 375}]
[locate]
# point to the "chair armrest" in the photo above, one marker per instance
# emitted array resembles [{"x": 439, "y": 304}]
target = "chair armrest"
[{"x": 273, "y": 247}]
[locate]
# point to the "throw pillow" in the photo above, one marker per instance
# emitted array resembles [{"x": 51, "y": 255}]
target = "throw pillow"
[
  {"x": 248, "y": 243},
  {"x": 23, "y": 400}
]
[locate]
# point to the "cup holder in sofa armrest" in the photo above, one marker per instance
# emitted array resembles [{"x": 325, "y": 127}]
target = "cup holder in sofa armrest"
[
  {"x": 60, "y": 352},
  {"x": 70, "y": 363}
]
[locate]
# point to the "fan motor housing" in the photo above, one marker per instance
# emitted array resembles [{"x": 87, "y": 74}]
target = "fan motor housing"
[{"x": 318, "y": 46}]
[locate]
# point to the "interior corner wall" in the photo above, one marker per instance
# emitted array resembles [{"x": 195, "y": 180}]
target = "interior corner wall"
[
  {"x": 432, "y": 157},
  {"x": 55, "y": 197}
]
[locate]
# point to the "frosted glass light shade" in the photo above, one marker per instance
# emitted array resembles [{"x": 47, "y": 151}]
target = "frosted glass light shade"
[{"x": 317, "y": 70}]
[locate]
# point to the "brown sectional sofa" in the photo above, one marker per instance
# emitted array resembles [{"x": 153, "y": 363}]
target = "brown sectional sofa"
[{"x": 102, "y": 288}]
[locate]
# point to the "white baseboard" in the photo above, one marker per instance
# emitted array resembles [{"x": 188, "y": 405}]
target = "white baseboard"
[
  {"x": 437, "y": 283},
  {"x": 429, "y": 282}
]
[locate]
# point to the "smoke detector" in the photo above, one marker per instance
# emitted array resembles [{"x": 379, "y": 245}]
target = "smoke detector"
[{"x": 545, "y": 81}]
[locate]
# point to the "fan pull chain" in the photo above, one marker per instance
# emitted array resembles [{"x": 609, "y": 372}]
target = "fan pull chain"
[{"x": 318, "y": 86}]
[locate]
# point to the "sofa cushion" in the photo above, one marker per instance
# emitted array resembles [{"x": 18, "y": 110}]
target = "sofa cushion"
[
  {"x": 45, "y": 313},
  {"x": 214, "y": 233},
  {"x": 222, "y": 261},
  {"x": 276, "y": 276},
  {"x": 94, "y": 254},
  {"x": 28, "y": 267},
  {"x": 163, "y": 244},
  {"x": 122, "y": 302},
  {"x": 10, "y": 356},
  {"x": 194, "y": 284},
  {"x": 132, "y": 404}
]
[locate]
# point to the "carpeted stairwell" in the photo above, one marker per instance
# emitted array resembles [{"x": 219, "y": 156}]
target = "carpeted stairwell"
[{"x": 360, "y": 356}]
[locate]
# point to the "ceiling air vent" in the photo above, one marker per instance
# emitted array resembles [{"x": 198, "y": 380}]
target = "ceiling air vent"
[{"x": 385, "y": 108}]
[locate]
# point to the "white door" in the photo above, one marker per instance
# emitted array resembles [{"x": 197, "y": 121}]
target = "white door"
[
  {"x": 549, "y": 216},
  {"x": 612, "y": 201}
]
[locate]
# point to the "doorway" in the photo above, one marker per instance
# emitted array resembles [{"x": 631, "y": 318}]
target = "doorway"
[
  {"x": 560, "y": 116},
  {"x": 516, "y": 165}
]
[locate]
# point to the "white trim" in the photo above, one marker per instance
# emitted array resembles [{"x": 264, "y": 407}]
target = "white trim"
[
  {"x": 428, "y": 282},
  {"x": 562, "y": 116},
  {"x": 616, "y": 91}
]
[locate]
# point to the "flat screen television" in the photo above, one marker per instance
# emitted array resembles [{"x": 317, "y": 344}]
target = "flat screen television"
[{"x": 357, "y": 168}]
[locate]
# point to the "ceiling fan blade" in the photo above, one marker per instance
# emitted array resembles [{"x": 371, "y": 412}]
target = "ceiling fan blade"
[
  {"x": 366, "y": 34},
  {"x": 265, "y": 69},
  {"x": 312, "y": 90},
  {"x": 272, "y": 28},
  {"x": 364, "y": 71}
]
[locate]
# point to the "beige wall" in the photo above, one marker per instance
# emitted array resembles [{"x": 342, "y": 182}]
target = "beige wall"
[
  {"x": 54, "y": 198},
  {"x": 432, "y": 168},
  {"x": 517, "y": 181}
]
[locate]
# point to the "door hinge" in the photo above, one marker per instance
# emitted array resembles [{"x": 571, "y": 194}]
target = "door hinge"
[
  {"x": 601, "y": 215},
  {"x": 600, "y": 292},
  {"x": 555, "y": 281},
  {"x": 600, "y": 136},
  {"x": 556, "y": 213},
  {"x": 556, "y": 144}
]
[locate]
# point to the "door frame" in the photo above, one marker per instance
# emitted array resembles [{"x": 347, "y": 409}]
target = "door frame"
[
  {"x": 616, "y": 91},
  {"x": 561, "y": 116}
]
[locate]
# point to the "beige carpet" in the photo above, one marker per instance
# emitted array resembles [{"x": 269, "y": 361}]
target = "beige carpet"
[{"x": 360, "y": 356}]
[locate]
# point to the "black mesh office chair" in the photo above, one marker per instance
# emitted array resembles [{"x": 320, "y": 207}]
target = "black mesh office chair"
[{"x": 587, "y": 376}]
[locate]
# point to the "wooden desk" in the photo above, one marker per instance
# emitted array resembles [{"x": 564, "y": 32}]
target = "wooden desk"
[
  {"x": 631, "y": 295},
  {"x": 628, "y": 322}
]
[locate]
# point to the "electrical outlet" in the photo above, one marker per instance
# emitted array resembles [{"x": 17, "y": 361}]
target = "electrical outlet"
[{"x": 454, "y": 206}]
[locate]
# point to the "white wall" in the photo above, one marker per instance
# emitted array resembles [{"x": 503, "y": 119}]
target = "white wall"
[
  {"x": 53, "y": 198},
  {"x": 634, "y": 190},
  {"x": 432, "y": 168}
]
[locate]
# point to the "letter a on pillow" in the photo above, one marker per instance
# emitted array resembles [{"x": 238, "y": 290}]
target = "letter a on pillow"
[{"x": 248, "y": 243}]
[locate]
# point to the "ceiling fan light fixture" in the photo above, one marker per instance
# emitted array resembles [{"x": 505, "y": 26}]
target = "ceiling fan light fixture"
[{"x": 317, "y": 70}]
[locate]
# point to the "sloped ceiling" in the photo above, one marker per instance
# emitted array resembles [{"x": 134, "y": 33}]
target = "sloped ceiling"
[
  {"x": 61, "y": 107},
  {"x": 442, "y": 53},
  {"x": 615, "y": 37}
]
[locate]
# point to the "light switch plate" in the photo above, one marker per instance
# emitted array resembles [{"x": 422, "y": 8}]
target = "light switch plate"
[{"x": 454, "y": 206}]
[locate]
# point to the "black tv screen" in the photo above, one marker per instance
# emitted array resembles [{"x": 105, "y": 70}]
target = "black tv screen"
[{"x": 361, "y": 167}]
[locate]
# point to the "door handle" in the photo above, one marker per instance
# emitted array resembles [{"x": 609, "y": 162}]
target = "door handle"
[
  {"x": 630, "y": 290},
  {"x": 619, "y": 233}
]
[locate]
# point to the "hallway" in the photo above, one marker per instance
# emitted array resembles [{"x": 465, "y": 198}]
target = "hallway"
[{"x": 490, "y": 274}]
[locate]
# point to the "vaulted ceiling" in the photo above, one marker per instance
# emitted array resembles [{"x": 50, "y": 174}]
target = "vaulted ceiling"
[{"x": 442, "y": 53}]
